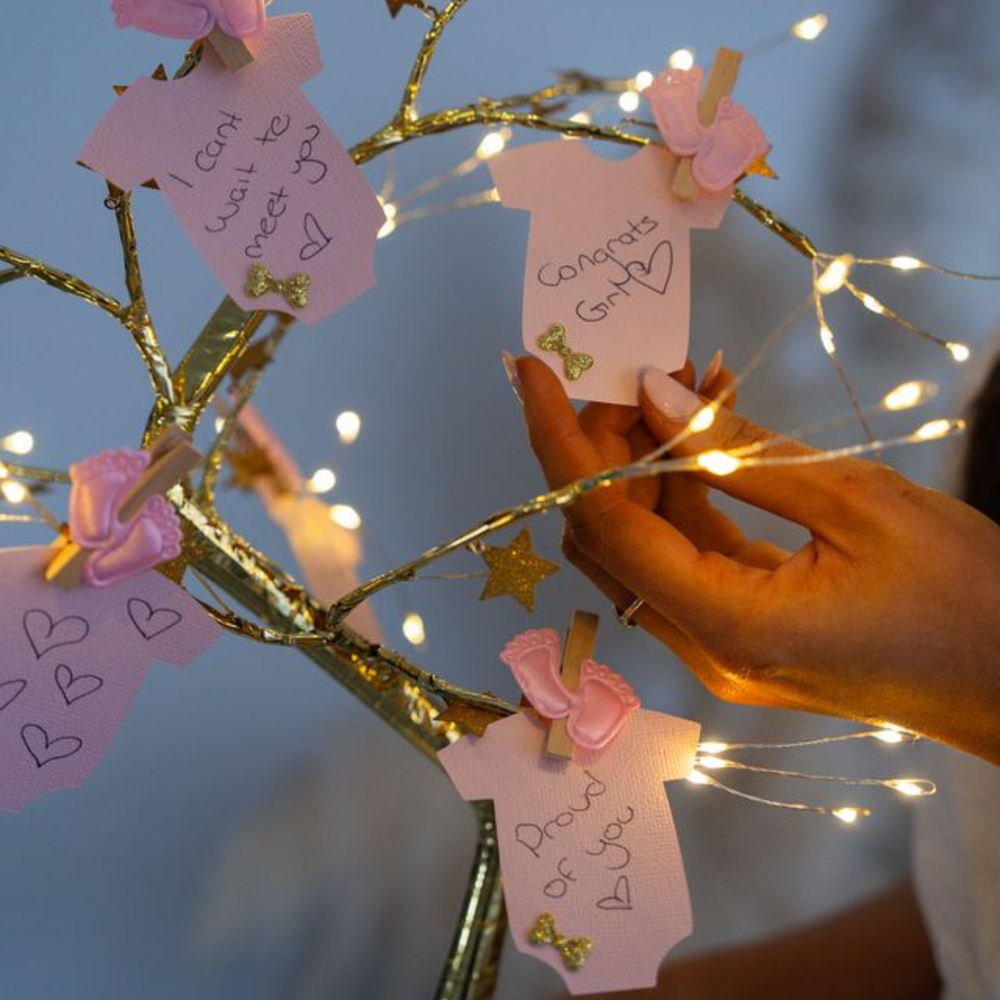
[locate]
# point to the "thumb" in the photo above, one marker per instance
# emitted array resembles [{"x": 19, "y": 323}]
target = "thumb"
[{"x": 811, "y": 494}]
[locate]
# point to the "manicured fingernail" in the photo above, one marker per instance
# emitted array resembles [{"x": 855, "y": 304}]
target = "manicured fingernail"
[
  {"x": 669, "y": 396},
  {"x": 713, "y": 369},
  {"x": 512, "y": 376}
]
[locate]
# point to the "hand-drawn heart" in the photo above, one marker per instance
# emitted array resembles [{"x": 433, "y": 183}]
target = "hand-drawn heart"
[
  {"x": 43, "y": 750},
  {"x": 9, "y": 691},
  {"x": 45, "y": 634},
  {"x": 73, "y": 687},
  {"x": 150, "y": 622},
  {"x": 642, "y": 271},
  {"x": 318, "y": 240},
  {"x": 622, "y": 898}
]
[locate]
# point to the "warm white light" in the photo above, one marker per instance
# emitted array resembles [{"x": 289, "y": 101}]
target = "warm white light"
[
  {"x": 846, "y": 814},
  {"x": 889, "y": 736},
  {"x": 909, "y": 394},
  {"x": 904, "y": 263},
  {"x": 388, "y": 227},
  {"x": 835, "y": 275},
  {"x": 935, "y": 429},
  {"x": 909, "y": 786},
  {"x": 713, "y": 747},
  {"x": 491, "y": 144},
  {"x": 321, "y": 481},
  {"x": 390, "y": 209},
  {"x": 345, "y": 516},
  {"x": 826, "y": 338},
  {"x": 643, "y": 79},
  {"x": 960, "y": 352},
  {"x": 629, "y": 101},
  {"x": 582, "y": 118},
  {"x": 681, "y": 59},
  {"x": 220, "y": 422},
  {"x": 348, "y": 426},
  {"x": 697, "y": 778},
  {"x": 4, "y": 471},
  {"x": 719, "y": 463},
  {"x": 13, "y": 491},
  {"x": 810, "y": 28},
  {"x": 712, "y": 763},
  {"x": 18, "y": 443},
  {"x": 872, "y": 304},
  {"x": 702, "y": 420},
  {"x": 413, "y": 629}
]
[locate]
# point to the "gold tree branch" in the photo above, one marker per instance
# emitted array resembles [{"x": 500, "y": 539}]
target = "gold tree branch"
[{"x": 62, "y": 281}]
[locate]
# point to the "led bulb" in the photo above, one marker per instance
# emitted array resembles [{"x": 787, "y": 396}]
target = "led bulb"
[
  {"x": 321, "y": 481},
  {"x": 909, "y": 394},
  {"x": 413, "y": 629},
  {"x": 826, "y": 339},
  {"x": 872, "y": 304},
  {"x": 713, "y": 747},
  {"x": 643, "y": 79},
  {"x": 697, "y": 778},
  {"x": 833, "y": 278},
  {"x": 581, "y": 118},
  {"x": 681, "y": 59},
  {"x": 345, "y": 516},
  {"x": 18, "y": 443},
  {"x": 912, "y": 786},
  {"x": 629, "y": 101},
  {"x": 810, "y": 28},
  {"x": 846, "y": 814},
  {"x": 937, "y": 429},
  {"x": 388, "y": 228},
  {"x": 13, "y": 491},
  {"x": 348, "y": 426},
  {"x": 712, "y": 763},
  {"x": 960, "y": 352},
  {"x": 702, "y": 420},
  {"x": 905, "y": 263},
  {"x": 492, "y": 143},
  {"x": 889, "y": 736},
  {"x": 719, "y": 463}
]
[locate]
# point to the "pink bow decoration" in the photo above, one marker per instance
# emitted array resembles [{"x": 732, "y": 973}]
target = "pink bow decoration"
[
  {"x": 119, "y": 550},
  {"x": 191, "y": 18},
  {"x": 722, "y": 151},
  {"x": 596, "y": 710}
]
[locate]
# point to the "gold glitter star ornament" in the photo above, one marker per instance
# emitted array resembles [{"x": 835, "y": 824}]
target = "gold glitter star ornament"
[{"x": 515, "y": 569}]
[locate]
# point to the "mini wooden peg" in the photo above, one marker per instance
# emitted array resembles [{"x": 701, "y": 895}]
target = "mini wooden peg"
[
  {"x": 173, "y": 457},
  {"x": 721, "y": 81},
  {"x": 232, "y": 51},
  {"x": 579, "y": 645}
]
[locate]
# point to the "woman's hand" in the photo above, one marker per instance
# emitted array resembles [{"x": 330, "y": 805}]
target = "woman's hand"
[{"x": 889, "y": 613}]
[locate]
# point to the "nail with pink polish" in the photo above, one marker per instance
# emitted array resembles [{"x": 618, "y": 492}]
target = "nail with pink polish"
[
  {"x": 512, "y": 376},
  {"x": 671, "y": 398},
  {"x": 712, "y": 371}
]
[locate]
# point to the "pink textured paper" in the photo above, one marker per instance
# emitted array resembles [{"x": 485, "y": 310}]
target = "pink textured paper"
[
  {"x": 608, "y": 258},
  {"x": 590, "y": 841},
  {"x": 251, "y": 169},
  {"x": 73, "y": 661}
]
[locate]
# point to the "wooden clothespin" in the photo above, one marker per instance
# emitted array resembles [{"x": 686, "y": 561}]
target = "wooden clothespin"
[
  {"x": 721, "y": 81},
  {"x": 578, "y": 646},
  {"x": 232, "y": 51},
  {"x": 173, "y": 457}
]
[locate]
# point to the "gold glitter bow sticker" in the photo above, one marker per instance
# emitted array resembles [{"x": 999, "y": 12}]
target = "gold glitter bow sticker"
[
  {"x": 574, "y": 951},
  {"x": 554, "y": 339},
  {"x": 295, "y": 289}
]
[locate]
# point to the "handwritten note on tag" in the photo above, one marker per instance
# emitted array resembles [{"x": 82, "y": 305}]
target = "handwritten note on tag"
[
  {"x": 589, "y": 843},
  {"x": 73, "y": 661},
  {"x": 608, "y": 261},
  {"x": 272, "y": 200}
]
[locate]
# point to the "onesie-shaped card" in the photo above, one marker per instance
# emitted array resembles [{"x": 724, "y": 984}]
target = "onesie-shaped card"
[
  {"x": 272, "y": 200},
  {"x": 591, "y": 866},
  {"x": 607, "y": 285},
  {"x": 73, "y": 661}
]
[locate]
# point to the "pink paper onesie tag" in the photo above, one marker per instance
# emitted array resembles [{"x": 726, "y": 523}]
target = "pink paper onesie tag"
[
  {"x": 597, "y": 709},
  {"x": 266, "y": 191},
  {"x": 587, "y": 846},
  {"x": 119, "y": 551},
  {"x": 607, "y": 287},
  {"x": 723, "y": 150},
  {"x": 73, "y": 661}
]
